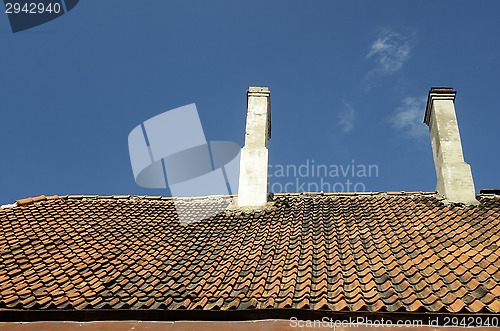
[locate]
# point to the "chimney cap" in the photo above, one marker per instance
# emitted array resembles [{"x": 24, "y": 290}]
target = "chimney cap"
[
  {"x": 258, "y": 89},
  {"x": 444, "y": 91}
]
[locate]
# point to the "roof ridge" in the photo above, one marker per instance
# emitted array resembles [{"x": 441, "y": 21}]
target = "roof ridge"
[{"x": 30, "y": 200}]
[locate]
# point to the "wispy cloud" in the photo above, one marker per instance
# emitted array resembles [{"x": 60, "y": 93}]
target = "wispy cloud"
[
  {"x": 390, "y": 51},
  {"x": 346, "y": 118},
  {"x": 408, "y": 118}
]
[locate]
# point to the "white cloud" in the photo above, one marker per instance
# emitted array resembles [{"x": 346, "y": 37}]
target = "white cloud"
[
  {"x": 408, "y": 118},
  {"x": 390, "y": 51},
  {"x": 347, "y": 117}
]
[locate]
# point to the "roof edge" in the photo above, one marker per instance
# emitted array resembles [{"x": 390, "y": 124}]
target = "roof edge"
[{"x": 88, "y": 315}]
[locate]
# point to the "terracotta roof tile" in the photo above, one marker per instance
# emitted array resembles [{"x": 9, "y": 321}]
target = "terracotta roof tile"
[{"x": 396, "y": 251}]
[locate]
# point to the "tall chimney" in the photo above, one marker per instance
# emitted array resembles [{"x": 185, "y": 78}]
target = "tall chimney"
[
  {"x": 254, "y": 184},
  {"x": 454, "y": 177}
]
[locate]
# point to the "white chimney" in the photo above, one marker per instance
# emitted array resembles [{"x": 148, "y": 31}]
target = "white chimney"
[
  {"x": 454, "y": 177},
  {"x": 254, "y": 184}
]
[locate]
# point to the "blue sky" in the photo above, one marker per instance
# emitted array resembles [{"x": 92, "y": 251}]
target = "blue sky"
[{"x": 348, "y": 81}]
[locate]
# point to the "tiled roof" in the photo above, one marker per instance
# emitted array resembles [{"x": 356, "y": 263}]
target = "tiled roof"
[{"x": 406, "y": 252}]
